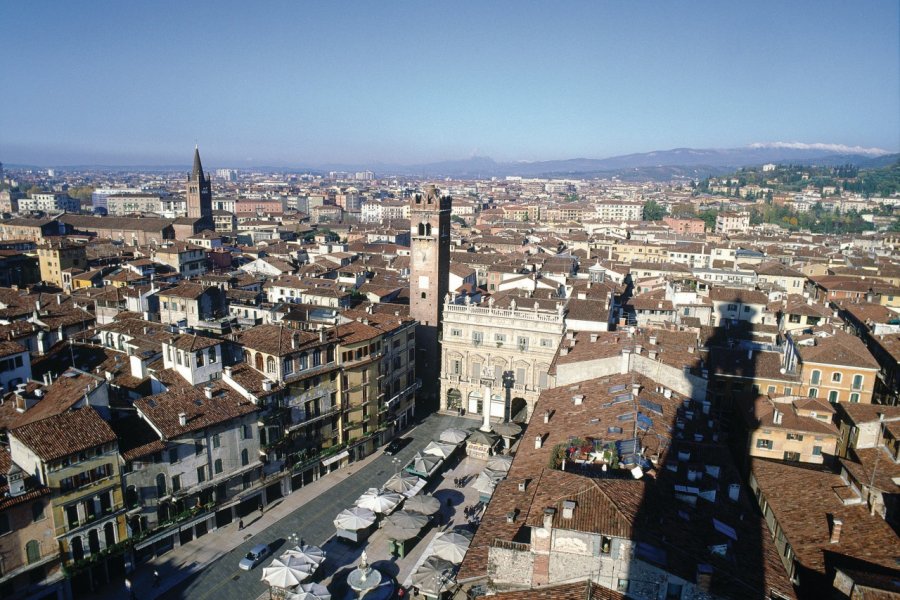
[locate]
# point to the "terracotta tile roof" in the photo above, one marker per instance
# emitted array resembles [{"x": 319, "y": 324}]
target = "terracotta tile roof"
[
  {"x": 193, "y": 342},
  {"x": 278, "y": 340},
  {"x": 33, "y": 488},
  {"x": 184, "y": 290},
  {"x": 839, "y": 349},
  {"x": 805, "y": 508},
  {"x": 723, "y": 294},
  {"x": 66, "y": 433},
  {"x": 163, "y": 409}
]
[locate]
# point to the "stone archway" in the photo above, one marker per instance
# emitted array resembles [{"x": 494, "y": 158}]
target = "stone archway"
[
  {"x": 454, "y": 399},
  {"x": 518, "y": 410},
  {"x": 474, "y": 403}
]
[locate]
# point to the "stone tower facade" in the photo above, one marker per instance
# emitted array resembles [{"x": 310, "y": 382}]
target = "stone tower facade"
[
  {"x": 429, "y": 277},
  {"x": 199, "y": 191}
]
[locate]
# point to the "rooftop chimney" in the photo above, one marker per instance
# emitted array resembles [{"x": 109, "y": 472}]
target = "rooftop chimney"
[
  {"x": 538, "y": 441},
  {"x": 568, "y": 509},
  {"x": 295, "y": 340},
  {"x": 652, "y": 340},
  {"x": 777, "y": 416},
  {"x": 635, "y": 389},
  {"x": 182, "y": 419},
  {"x": 548, "y": 517},
  {"x": 227, "y": 371},
  {"x": 208, "y": 392},
  {"x": 267, "y": 385},
  {"x": 546, "y": 416},
  {"x": 578, "y": 400},
  {"x": 836, "y": 526}
]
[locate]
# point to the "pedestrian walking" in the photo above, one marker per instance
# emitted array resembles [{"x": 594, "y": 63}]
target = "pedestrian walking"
[
  {"x": 128, "y": 588},
  {"x": 240, "y": 524},
  {"x": 155, "y": 578}
]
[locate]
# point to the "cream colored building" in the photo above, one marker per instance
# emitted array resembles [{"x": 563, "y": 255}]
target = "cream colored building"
[{"x": 505, "y": 334}]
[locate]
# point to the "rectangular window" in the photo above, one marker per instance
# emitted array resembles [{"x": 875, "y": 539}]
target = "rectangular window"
[
  {"x": 854, "y": 398},
  {"x": 795, "y": 436},
  {"x": 456, "y": 332},
  {"x": 815, "y": 377},
  {"x": 546, "y": 343},
  {"x": 217, "y": 441},
  {"x": 522, "y": 343},
  {"x": 477, "y": 338},
  {"x": 198, "y": 448},
  {"x": 455, "y": 367},
  {"x": 765, "y": 444},
  {"x": 857, "y": 382},
  {"x": 788, "y": 391},
  {"x": 173, "y": 456},
  {"x": 201, "y": 474},
  {"x": 247, "y": 432},
  {"x": 817, "y": 450},
  {"x": 176, "y": 483}
]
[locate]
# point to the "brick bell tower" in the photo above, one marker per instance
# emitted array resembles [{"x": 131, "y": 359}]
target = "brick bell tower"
[
  {"x": 199, "y": 191},
  {"x": 429, "y": 278}
]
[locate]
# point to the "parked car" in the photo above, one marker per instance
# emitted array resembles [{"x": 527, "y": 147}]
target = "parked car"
[
  {"x": 256, "y": 555},
  {"x": 396, "y": 446}
]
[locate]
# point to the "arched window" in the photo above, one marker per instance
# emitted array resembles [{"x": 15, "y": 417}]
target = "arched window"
[
  {"x": 815, "y": 377},
  {"x": 245, "y": 457},
  {"x": 813, "y": 392},
  {"x": 857, "y": 382},
  {"x": 33, "y": 551},
  {"x": 131, "y": 496},
  {"x": 304, "y": 361},
  {"x": 270, "y": 365},
  {"x": 259, "y": 362},
  {"x": 836, "y": 377},
  {"x": 217, "y": 466},
  {"x": 121, "y": 342},
  {"x": 77, "y": 548},
  {"x": 427, "y": 228},
  {"x": 109, "y": 535},
  {"x": 110, "y": 340},
  {"x": 421, "y": 228},
  {"x": 160, "y": 485}
]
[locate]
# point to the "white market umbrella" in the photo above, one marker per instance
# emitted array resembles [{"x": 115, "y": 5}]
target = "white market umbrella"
[
  {"x": 454, "y": 435},
  {"x": 379, "y": 502},
  {"x": 307, "y": 553},
  {"x": 353, "y": 519},
  {"x": 285, "y": 573},
  {"x": 426, "y": 505},
  {"x": 424, "y": 464},
  {"x": 402, "y": 483},
  {"x": 494, "y": 475},
  {"x": 433, "y": 575},
  {"x": 450, "y": 546},
  {"x": 499, "y": 463},
  {"x": 484, "y": 484},
  {"x": 441, "y": 449},
  {"x": 310, "y": 591}
]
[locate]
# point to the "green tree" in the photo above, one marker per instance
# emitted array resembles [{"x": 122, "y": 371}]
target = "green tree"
[{"x": 653, "y": 211}]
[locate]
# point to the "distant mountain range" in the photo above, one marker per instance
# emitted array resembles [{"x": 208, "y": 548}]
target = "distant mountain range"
[
  {"x": 664, "y": 164},
  {"x": 658, "y": 165}
]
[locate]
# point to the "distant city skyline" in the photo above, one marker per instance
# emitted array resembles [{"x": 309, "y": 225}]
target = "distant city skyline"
[{"x": 294, "y": 84}]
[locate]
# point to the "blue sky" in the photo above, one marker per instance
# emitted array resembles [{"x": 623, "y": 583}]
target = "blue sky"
[{"x": 310, "y": 83}]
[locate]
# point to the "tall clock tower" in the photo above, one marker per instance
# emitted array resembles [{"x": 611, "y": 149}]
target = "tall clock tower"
[{"x": 429, "y": 279}]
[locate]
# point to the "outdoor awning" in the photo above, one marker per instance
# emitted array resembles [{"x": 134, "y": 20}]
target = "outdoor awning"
[{"x": 333, "y": 459}]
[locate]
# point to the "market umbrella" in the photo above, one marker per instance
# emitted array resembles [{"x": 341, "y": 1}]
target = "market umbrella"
[
  {"x": 499, "y": 463},
  {"x": 307, "y": 553},
  {"x": 441, "y": 449},
  {"x": 405, "y": 519},
  {"x": 353, "y": 519},
  {"x": 508, "y": 429},
  {"x": 494, "y": 475},
  {"x": 450, "y": 546},
  {"x": 484, "y": 484},
  {"x": 424, "y": 464},
  {"x": 485, "y": 438},
  {"x": 287, "y": 572},
  {"x": 433, "y": 575},
  {"x": 379, "y": 502},
  {"x": 454, "y": 435},
  {"x": 401, "y": 534},
  {"x": 402, "y": 483},
  {"x": 310, "y": 591},
  {"x": 426, "y": 505}
]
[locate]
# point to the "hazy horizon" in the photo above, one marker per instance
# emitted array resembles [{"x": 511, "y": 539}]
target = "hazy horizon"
[{"x": 291, "y": 84}]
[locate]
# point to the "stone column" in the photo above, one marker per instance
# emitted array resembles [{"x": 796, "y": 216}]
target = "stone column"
[{"x": 486, "y": 426}]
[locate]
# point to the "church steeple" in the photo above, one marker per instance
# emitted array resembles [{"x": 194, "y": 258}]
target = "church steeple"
[
  {"x": 199, "y": 191},
  {"x": 197, "y": 171}
]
